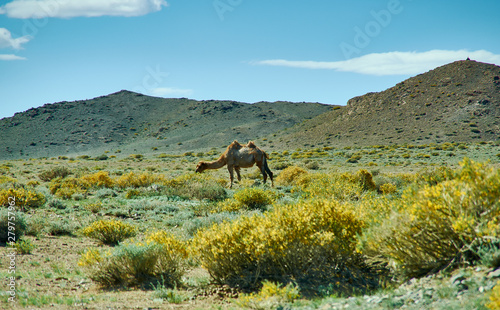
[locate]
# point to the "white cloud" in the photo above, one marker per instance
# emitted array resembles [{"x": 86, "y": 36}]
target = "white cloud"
[
  {"x": 75, "y": 8},
  {"x": 7, "y": 41},
  {"x": 11, "y": 57},
  {"x": 391, "y": 63},
  {"x": 168, "y": 91}
]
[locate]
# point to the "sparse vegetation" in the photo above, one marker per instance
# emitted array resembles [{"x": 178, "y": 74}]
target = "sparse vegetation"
[{"x": 317, "y": 233}]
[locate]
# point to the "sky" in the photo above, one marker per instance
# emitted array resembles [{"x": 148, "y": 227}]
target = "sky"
[{"x": 324, "y": 51}]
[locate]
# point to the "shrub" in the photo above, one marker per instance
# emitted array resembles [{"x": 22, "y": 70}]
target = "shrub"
[
  {"x": 102, "y": 157},
  {"x": 311, "y": 243},
  {"x": 172, "y": 295},
  {"x": 66, "y": 188},
  {"x": 110, "y": 232},
  {"x": 56, "y": 204},
  {"x": 138, "y": 180},
  {"x": 94, "y": 207},
  {"x": 290, "y": 175},
  {"x": 312, "y": 165},
  {"x": 55, "y": 172},
  {"x": 435, "y": 225},
  {"x": 62, "y": 226},
  {"x": 342, "y": 187},
  {"x": 97, "y": 180},
  {"x": 270, "y": 294},
  {"x": 105, "y": 193},
  {"x": 228, "y": 205},
  {"x": 36, "y": 225},
  {"x": 6, "y": 179},
  {"x": 196, "y": 186},
  {"x": 354, "y": 159},
  {"x": 365, "y": 179},
  {"x": 132, "y": 193},
  {"x": 23, "y": 198},
  {"x": 494, "y": 302},
  {"x": 24, "y": 246},
  {"x": 17, "y": 225},
  {"x": 388, "y": 188},
  {"x": 158, "y": 260},
  {"x": 253, "y": 198}
]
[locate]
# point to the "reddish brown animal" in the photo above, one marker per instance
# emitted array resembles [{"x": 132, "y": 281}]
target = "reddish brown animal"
[{"x": 239, "y": 156}]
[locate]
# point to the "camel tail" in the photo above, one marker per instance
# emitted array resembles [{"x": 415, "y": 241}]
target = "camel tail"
[{"x": 266, "y": 168}]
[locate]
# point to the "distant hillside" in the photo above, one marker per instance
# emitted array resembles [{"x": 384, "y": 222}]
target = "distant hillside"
[
  {"x": 453, "y": 103},
  {"x": 458, "y": 102},
  {"x": 133, "y": 122}
]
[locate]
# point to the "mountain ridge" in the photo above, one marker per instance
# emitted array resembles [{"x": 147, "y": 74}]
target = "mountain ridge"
[
  {"x": 457, "y": 102},
  {"x": 130, "y": 121}
]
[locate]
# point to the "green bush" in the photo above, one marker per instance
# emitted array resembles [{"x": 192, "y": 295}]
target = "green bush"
[
  {"x": 253, "y": 198},
  {"x": 55, "y": 172},
  {"x": 13, "y": 222},
  {"x": 24, "y": 246},
  {"x": 158, "y": 260}
]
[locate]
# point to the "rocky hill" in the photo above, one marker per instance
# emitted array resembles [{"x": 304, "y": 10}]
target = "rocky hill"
[
  {"x": 458, "y": 102},
  {"x": 132, "y": 122}
]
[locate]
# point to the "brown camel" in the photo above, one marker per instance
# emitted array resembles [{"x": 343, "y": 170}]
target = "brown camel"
[{"x": 239, "y": 156}]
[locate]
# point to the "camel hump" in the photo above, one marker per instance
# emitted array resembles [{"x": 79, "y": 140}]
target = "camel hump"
[
  {"x": 251, "y": 144},
  {"x": 235, "y": 144}
]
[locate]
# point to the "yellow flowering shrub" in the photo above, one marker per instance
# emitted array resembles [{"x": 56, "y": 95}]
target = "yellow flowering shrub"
[
  {"x": 90, "y": 257},
  {"x": 271, "y": 295},
  {"x": 67, "y": 187},
  {"x": 388, "y": 188},
  {"x": 196, "y": 186},
  {"x": 23, "y": 198},
  {"x": 6, "y": 179},
  {"x": 306, "y": 242},
  {"x": 435, "y": 223},
  {"x": 176, "y": 247},
  {"x": 97, "y": 180},
  {"x": 254, "y": 198},
  {"x": 110, "y": 232},
  {"x": 228, "y": 205},
  {"x": 494, "y": 302},
  {"x": 290, "y": 175},
  {"x": 132, "y": 264},
  {"x": 133, "y": 179},
  {"x": 332, "y": 186}
]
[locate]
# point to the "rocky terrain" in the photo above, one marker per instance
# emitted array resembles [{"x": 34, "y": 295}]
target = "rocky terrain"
[
  {"x": 134, "y": 122},
  {"x": 458, "y": 102}
]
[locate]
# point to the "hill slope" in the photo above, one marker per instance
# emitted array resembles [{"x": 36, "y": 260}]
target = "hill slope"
[
  {"x": 456, "y": 102},
  {"x": 136, "y": 123}
]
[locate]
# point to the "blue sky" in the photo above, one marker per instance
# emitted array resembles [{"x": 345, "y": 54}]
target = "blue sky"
[{"x": 320, "y": 51}]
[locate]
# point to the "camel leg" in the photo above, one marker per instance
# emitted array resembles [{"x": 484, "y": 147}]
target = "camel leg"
[
  {"x": 231, "y": 175},
  {"x": 238, "y": 173},
  {"x": 262, "y": 170},
  {"x": 266, "y": 167}
]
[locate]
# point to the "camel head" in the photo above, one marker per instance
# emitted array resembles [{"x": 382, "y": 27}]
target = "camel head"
[{"x": 202, "y": 166}]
